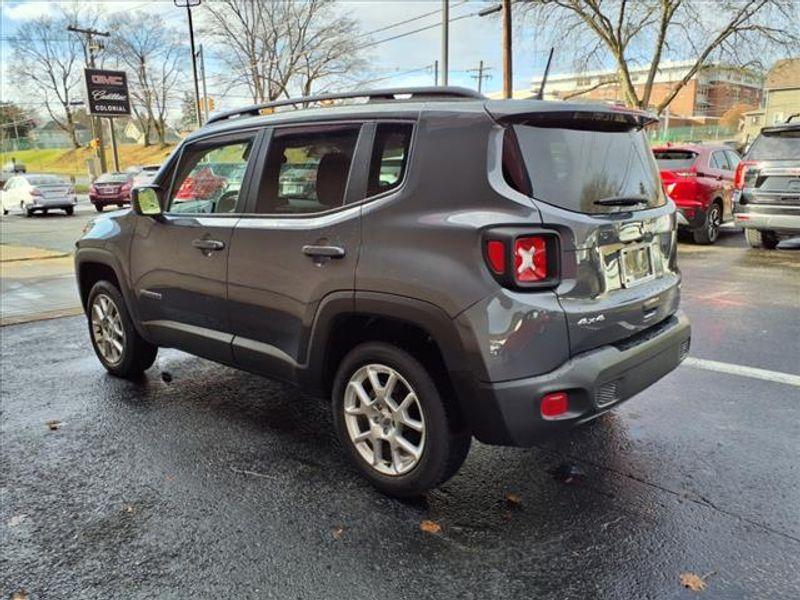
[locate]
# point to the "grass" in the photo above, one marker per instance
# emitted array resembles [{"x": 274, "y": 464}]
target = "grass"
[{"x": 73, "y": 162}]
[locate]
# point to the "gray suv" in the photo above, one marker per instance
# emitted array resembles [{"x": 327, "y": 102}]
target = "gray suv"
[{"x": 460, "y": 267}]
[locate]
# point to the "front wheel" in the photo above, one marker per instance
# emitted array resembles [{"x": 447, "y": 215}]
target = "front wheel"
[
  {"x": 393, "y": 423},
  {"x": 709, "y": 231},
  {"x": 120, "y": 348}
]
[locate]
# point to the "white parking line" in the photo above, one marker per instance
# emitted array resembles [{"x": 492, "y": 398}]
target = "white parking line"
[{"x": 741, "y": 370}]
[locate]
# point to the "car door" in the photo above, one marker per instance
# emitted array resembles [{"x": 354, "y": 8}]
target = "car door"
[
  {"x": 178, "y": 261},
  {"x": 299, "y": 244}
]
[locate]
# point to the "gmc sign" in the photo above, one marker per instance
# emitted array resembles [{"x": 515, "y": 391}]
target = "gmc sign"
[{"x": 107, "y": 93}]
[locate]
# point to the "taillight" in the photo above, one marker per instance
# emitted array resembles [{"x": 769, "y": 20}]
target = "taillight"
[
  {"x": 36, "y": 192},
  {"x": 92, "y": 189},
  {"x": 520, "y": 258},
  {"x": 71, "y": 191},
  {"x": 741, "y": 172},
  {"x": 553, "y": 405}
]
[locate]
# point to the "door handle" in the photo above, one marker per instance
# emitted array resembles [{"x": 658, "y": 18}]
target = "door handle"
[
  {"x": 323, "y": 251},
  {"x": 208, "y": 245}
]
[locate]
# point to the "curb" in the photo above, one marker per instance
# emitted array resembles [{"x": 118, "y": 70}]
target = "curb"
[{"x": 43, "y": 316}]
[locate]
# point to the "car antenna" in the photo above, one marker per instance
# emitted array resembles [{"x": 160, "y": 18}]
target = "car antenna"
[{"x": 540, "y": 94}]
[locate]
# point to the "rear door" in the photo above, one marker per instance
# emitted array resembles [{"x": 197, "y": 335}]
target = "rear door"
[
  {"x": 595, "y": 181},
  {"x": 771, "y": 168},
  {"x": 299, "y": 242}
]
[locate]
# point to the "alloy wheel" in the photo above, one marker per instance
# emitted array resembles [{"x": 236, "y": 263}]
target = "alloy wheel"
[
  {"x": 384, "y": 419},
  {"x": 107, "y": 331},
  {"x": 714, "y": 222}
]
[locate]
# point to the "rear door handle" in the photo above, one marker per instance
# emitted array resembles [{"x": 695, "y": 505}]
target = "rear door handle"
[
  {"x": 323, "y": 251},
  {"x": 208, "y": 245}
]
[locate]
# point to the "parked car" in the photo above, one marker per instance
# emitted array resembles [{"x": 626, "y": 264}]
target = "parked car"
[
  {"x": 513, "y": 277},
  {"x": 699, "y": 179},
  {"x": 33, "y": 192},
  {"x": 767, "y": 187},
  {"x": 111, "y": 189},
  {"x": 145, "y": 175}
]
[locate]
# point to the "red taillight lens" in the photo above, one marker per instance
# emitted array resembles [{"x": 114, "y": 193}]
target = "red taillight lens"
[
  {"x": 530, "y": 259},
  {"x": 741, "y": 171},
  {"x": 496, "y": 255},
  {"x": 554, "y": 405},
  {"x": 36, "y": 192}
]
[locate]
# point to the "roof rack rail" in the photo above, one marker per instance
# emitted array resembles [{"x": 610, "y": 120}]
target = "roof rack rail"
[{"x": 439, "y": 92}]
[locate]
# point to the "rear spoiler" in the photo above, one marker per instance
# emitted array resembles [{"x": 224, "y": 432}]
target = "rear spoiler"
[{"x": 569, "y": 115}]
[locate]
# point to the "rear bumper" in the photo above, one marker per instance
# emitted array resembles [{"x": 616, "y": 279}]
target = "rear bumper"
[
  {"x": 596, "y": 381},
  {"x": 63, "y": 202},
  {"x": 106, "y": 200},
  {"x": 776, "y": 218}
]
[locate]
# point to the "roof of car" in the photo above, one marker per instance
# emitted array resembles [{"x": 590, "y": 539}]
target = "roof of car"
[{"x": 692, "y": 147}]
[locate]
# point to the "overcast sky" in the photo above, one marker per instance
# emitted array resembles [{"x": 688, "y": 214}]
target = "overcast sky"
[{"x": 471, "y": 39}]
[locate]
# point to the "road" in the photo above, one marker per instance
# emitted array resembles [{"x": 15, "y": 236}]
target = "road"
[{"x": 212, "y": 483}]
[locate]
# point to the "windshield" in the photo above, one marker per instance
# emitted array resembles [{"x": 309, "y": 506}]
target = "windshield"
[
  {"x": 45, "y": 179},
  {"x": 776, "y": 145},
  {"x": 112, "y": 178},
  {"x": 673, "y": 160},
  {"x": 576, "y": 168}
]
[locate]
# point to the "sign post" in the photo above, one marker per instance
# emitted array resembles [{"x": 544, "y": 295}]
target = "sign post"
[{"x": 107, "y": 96}]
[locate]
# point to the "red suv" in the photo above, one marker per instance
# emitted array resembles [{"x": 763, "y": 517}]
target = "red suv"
[
  {"x": 111, "y": 188},
  {"x": 699, "y": 178}
]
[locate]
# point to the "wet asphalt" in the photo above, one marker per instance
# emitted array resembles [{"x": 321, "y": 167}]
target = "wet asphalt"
[{"x": 220, "y": 484}]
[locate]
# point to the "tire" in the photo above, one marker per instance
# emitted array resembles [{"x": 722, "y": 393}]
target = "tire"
[
  {"x": 136, "y": 355},
  {"x": 5, "y": 211},
  {"x": 98, "y": 207},
  {"x": 442, "y": 444},
  {"x": 709, "y": 232},
  {"x": 757, "y": 238},
  {"x": 70, "y": 211},
  {"x": 28, "y": 212}
]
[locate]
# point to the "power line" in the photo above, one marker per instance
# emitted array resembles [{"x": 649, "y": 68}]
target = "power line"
[
  {"x": 411, "y": 20},
  {"x": 413, "y": 31}
]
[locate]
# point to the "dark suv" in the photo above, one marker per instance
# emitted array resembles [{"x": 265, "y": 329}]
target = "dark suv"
[
  {"x": 461, "y": 267},
  {"x": 767, "y": 186}
]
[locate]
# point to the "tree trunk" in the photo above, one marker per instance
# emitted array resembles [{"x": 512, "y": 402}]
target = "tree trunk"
[{"x": 71, "y": 129}]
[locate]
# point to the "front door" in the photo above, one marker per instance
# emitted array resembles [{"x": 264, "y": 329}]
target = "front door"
[
  {"x": 299, "y": 246},
  {"x": 179, "y": 261}
]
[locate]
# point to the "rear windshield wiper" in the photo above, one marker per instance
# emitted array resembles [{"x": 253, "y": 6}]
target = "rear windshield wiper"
[{"x": 622, "y": 201}]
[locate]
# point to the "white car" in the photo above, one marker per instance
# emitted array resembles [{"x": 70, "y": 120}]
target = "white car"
[
  {"x": 145, "y": 175},
  {"x": 32, "y": 192}
]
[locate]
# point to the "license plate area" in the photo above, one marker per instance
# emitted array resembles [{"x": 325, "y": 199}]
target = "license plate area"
[{"x": 636, "y": 265}]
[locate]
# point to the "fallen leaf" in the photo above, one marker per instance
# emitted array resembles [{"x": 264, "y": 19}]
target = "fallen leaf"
[
  {"x": 166, "y": 376},
  {"x": 429, "y": 526},
  {"x": 20, "y": 594},
  {"x": 53, "y": 424},
  {"x": 129, "y": 509},
  {"x": 513, "y": 499},
  {"x": 693, "y": 582},
  {"x": 337, "y": 531}
]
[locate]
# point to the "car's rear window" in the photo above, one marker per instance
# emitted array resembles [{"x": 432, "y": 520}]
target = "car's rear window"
[
  {"x": 576, "y": 168},
  {"x": 45, "y": 179},
  {"x": 112, "y": 178},
  {"x": 672, "y": 160},
  {"x": 776, "y": 145}
]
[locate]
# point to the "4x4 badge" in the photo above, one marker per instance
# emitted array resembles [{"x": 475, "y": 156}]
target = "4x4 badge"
[{"x": 591, "y": 320}]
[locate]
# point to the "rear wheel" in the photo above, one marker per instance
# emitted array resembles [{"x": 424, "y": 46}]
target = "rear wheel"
[
  {"x": 98, "y": 207},
  {"x": 121, "y": 350},
  {"x": 393, "y": 423},
  {"x": 709, "y": 232},
  {"x": 70, "y": 211},
  {"x": 757, "y": 238}
]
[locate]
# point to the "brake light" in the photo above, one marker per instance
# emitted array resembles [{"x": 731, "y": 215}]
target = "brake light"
[
  {"x": 741, "y": 172},
  {"x": 36, "y": 192},
  {"x": 530, "y": 259},
  {"x": 554, "y": 405},
  {"x": 688, "y": 173},
  {"x": 518, "y": 258},
  {"x": 71, "y": 191}
]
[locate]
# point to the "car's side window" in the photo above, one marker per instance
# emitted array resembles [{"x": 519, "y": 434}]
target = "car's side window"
[
  {"x": 307, "y": 169},
  {"x": 718, "y": 161},
  {"x": 389, "y": 157},
  {"x": 209, "y": 177},
  {"x": 733, "y": 159}
]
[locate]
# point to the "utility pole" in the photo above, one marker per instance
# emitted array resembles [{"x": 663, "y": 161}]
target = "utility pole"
[
  {"x": 480, "y": 75},
  {"x": 203, "y": 76},
  {"x": 188, "y": 4},
  {"x": 507, "y": 78},
  {"x": 436, "y": 72},
  {"x": 89, "y": 48},
  {"x": 445, "y": 41}
]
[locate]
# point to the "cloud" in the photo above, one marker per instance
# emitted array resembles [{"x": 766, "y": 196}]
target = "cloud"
[{"x": 25, "y": 11}]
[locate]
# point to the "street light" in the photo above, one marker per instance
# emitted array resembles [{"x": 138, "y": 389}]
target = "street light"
[
  {"x": 189, "y": 4},
  {"x": 505, "y": 8}
]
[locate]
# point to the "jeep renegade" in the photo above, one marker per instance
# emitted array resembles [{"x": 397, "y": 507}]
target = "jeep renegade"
[{"x": 440, "y": 265}]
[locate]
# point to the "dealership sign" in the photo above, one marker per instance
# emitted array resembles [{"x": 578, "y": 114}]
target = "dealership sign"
[{"x": 107, "y": 93}]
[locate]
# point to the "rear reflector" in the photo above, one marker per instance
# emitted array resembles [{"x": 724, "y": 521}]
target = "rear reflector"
[
  {"x": 530, "y": 259},
  {"x": 554, "y": 404},
  {"x": 496, "y": 252}
]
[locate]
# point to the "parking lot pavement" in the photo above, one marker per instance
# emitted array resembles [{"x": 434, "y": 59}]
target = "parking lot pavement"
[{"x": 222, "y": 484}]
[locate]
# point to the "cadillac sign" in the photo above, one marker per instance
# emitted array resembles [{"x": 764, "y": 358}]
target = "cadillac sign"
[{"x": 107, "y": 93}]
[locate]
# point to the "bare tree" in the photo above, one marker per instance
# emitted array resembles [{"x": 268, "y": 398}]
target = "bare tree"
[
  {"x": 48, "y": 65},
  {"x": 272, "y": 47},
  {"x": 152, "y": 54},
  {"x": 739, "y": 32}
]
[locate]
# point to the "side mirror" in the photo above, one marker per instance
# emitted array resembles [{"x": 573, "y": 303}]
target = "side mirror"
[{"x": 145, "y": 201}]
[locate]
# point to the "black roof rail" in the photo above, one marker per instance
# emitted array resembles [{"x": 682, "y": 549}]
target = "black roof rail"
[{"x": 431, "y": 92}]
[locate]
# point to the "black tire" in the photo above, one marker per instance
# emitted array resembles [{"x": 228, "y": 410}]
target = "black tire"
[
  {"x": 446, "y": 441},
  {"x": 757, "y": 238},
  {"x": 708, "y": 233},
  {"x": 28, "y": 212},
  {"x": 5, "y": 211},
  {"x": 138, "y": 355},
  {"x": 70, "y": 211},
  {"x": 98, "y": 207}
]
